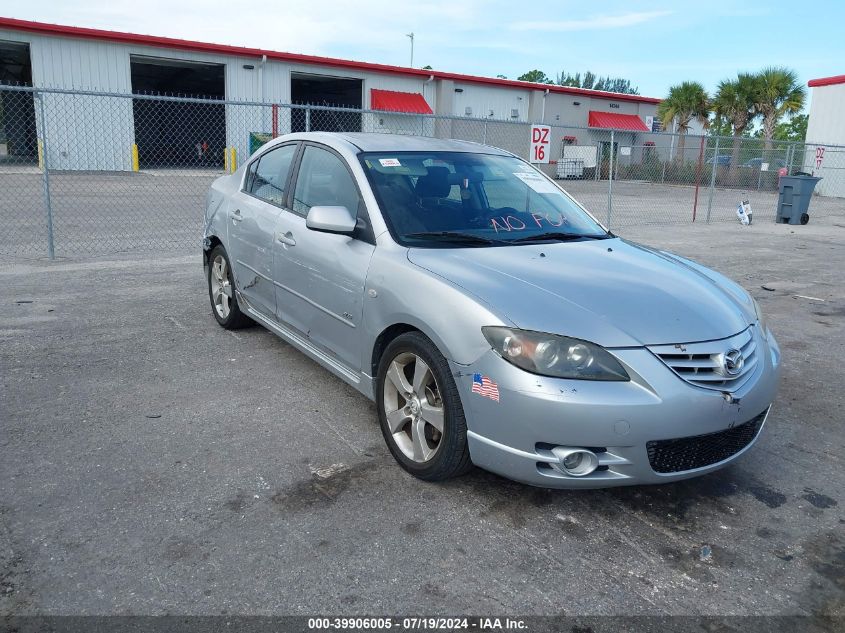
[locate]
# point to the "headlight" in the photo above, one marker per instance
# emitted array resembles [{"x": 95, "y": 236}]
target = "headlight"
[
  {"x": 764, "y": 324},
  {"x": 553, "y": 355}
]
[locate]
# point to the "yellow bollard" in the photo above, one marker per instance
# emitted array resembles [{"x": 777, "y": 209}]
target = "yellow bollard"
[
  {"x": 226, "y": 160},
  {"x": 135, "y": 162},
  {"x": 233, "y": 161}
]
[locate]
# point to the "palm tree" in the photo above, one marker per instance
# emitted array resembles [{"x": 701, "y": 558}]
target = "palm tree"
[
  {"x": 686, "y": 102},
  {"x": 777, "y": 93},
  {"x": 735, "y": 101}
]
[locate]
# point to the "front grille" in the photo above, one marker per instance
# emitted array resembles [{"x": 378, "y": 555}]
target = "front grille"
[
  {"x": 702, "y": 364},
  {"x": 688, "y": 453}
]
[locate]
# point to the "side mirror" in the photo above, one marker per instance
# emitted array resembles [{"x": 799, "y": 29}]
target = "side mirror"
[{"x": 331, "y": 220}]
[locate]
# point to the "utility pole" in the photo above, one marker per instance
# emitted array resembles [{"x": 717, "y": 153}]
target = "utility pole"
[{"x": 411, "y": 35}]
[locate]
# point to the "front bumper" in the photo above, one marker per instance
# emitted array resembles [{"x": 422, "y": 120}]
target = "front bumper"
[{"x": 514, "y": 437}]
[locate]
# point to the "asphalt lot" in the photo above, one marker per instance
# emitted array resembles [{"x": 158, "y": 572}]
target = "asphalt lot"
[{"x": 154, "y": 463}]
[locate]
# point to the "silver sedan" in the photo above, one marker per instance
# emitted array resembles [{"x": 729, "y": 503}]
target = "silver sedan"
[{"x": 493, "y": 320}]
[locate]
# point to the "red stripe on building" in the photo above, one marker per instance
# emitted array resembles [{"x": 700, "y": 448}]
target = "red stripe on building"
[{"x": 826, "y": 81}]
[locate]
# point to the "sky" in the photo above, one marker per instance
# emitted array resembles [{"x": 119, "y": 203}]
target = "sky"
[{"x": 655, "y": 44}]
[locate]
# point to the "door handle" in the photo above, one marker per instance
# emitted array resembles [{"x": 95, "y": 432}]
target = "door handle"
[
  {"x": 236, "y": 216},
  {"x": 286, "y": 239}
]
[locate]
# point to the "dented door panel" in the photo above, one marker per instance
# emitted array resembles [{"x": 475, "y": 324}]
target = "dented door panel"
[{"x": 252, "y": 223}]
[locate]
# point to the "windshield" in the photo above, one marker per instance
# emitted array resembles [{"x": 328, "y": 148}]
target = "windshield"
[{"x": 452, "y": 198}]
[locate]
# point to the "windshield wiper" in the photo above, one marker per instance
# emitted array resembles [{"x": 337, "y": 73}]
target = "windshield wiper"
[
  {"x": 453, "y": 236},
  {"x": 543, "y": 237}
]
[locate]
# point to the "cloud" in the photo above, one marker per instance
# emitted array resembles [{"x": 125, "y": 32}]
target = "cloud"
[
  {"x": 323, "y": 28},
  {"x": 471, "y": 36},
  {"x": 596, "y": 23}
]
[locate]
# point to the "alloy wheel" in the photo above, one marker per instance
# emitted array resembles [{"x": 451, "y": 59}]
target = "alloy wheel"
[
  {"x": 221, "y": 289},
  {"x": 413, "y": 407}
]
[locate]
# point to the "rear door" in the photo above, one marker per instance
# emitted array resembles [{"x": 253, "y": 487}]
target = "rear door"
[
  {"x": 253, "y": 215},
  {"x": 320, "y": 276}
]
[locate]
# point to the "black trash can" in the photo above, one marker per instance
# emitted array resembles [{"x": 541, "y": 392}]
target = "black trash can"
[{"x": 794, "y": 194}]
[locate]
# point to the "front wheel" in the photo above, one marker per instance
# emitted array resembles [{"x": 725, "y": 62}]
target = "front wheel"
[{"x": 420, "y": 411}]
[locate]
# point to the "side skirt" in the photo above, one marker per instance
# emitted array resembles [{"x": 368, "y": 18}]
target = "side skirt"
[{"x": 361, "y": 382}]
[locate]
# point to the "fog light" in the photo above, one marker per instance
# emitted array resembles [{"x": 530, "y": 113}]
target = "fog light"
[
  {"x": 571, "y": 462},
  {"x": 575, "y": 462}
]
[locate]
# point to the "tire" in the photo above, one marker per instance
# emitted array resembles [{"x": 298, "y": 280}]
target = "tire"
[
  {"x": 805, "y": 217},
  {"x": 409, "y": 421},
  {"x": 221, "y": 292}
]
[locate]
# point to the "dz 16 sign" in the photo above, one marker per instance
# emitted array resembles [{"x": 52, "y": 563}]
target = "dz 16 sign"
[{"x": 540, "y": 143}]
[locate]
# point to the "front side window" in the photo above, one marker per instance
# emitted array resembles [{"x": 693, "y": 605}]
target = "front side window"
[
  {"x": 271, "y": 174},
  {"x": 454, "y": 198},
  {"x": 324, "y": 180}
]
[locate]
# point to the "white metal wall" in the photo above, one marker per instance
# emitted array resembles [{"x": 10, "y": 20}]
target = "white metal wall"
[
  {"x": 483, "y": 99},
  {"x": 103, "y": 141},
  {"x": 826, "y": 122},
  {"x": 104, "y": 138}
]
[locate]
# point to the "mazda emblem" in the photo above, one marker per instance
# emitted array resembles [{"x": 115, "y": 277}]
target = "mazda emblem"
[{"x": 732, "y": 362}]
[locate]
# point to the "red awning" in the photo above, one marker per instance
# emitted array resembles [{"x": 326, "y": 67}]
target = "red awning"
[
  {"x": 391, "y": 101},
  {"x": 614, "y": 121}
]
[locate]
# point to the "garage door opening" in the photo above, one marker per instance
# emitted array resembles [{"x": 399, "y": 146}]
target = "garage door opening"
[
  {"x": 178, "y": 133},
  {"x": 319, "y": 90},
  {"x": 18, "y": 135}
]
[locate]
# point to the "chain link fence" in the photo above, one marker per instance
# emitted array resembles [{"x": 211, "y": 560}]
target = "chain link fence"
[{"x": 86, "y": 174}]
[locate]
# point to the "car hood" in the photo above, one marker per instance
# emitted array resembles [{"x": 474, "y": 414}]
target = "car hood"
[{"x": 611, "y": 292}]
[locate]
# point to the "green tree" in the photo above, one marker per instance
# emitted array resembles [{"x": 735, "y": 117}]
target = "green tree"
[
  {"x": 735, "y": 104},
  {"x": 621, "y": 86},
  {"x": 793, "y": 129},
  {"x": 778, "y": 93},
  {"x": 565, "y": 79},
  {"x": 535, "y": 76},
  {"x": 720, "y": 126},
  {"x": 686, "y": 102},
  {"x": 591, "y": 82}
]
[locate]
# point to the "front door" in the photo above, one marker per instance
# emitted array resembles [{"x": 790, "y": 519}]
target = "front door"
[
  {"x": 320, "y": 277},
  {"x": 253, "y": 216}
]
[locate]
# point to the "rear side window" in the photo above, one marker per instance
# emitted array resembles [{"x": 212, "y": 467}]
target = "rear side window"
[
  {"x": 271, "y": 175},
  {"x": 324, "y": 180}
]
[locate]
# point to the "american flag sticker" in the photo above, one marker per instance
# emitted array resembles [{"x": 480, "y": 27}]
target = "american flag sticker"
[{"x": 483, "y": 386}]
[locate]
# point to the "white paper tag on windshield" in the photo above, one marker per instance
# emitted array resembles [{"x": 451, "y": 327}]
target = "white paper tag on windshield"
[
  {"x": 389, "y": 162},
  {"x": 537, "y": 182}
]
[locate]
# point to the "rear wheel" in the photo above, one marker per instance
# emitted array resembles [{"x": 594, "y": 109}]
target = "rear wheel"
[
  {"x": 420, "y": 411},
  {"x": 221, "y": 292}
]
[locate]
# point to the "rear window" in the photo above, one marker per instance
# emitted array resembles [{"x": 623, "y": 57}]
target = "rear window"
[{"x": 268, "y": 176}]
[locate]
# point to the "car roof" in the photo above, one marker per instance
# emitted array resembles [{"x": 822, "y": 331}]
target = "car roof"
[{"x": 378, "y": 142}]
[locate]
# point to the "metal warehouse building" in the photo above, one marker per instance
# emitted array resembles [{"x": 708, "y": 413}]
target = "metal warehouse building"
[
  {"x": 826, "y": 123},
  {"x": 165, "y": 133}
]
